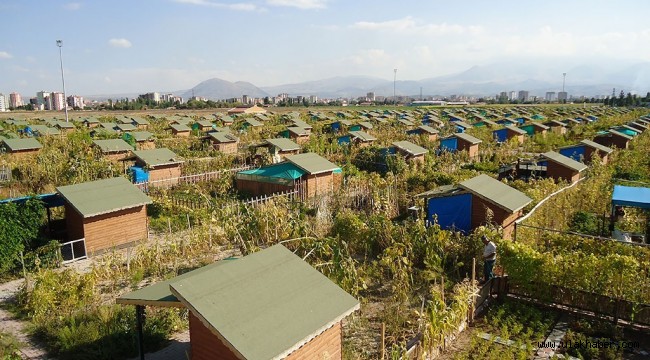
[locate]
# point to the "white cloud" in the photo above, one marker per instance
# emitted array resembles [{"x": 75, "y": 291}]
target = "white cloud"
[
  {"x": 300, "y": 4},
  {"x": 72, "y": 6},
  {"x": 208, "y": 3},
  {"x": 410, "y": 25},
  {"x": 5, "y": 55},
  {"x": 120, "y": 43},
  {"x": 107, "y": 79}
]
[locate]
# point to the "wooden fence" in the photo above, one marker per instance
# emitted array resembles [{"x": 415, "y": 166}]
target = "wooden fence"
[
  {"x": 5, "y": 173},
  {"x": 189, "y": 179}
]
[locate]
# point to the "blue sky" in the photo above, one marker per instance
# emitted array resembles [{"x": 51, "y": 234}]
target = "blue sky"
[{"x": 167, "y": 45}]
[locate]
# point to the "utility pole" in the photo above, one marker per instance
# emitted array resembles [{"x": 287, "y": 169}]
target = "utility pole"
[
  {"x": 563, "y": 80},
  {"x": 394, "y": 87},
  {"x": 59, "y": 43}
]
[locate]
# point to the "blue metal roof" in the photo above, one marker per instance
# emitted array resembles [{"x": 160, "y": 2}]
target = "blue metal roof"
[{"x": 631, "y": 196}]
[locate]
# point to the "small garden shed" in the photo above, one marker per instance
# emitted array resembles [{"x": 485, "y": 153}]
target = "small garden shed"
[
  {"x": 298, "y": 134},
  {"x": 560, "y": 167},
  {"x": 267, "y": 305},
  {"x": 534, "y": 128},
  {"x": 476, "y": 202},
  {"x": 21, "y": 147},
  {"x": 143, "y": 140},
  {"x": 181, "y": 130},
  {"x": 361, "y": 138},
  {"x": 410, "y": 151},
  {"x": 461, "y": 142},
  {"x": 224, "y": 142},
  {"x": 585, "y": 150},
  {"x": 509, "y": 132},
  {"x": 160, "y": 164},
  {"x": 106, "y": 213},
  {"x": 310, "y": 174},
  {"x": 613, "y": 138},
  {"x": 281, "y": 147},
  {"x": 113, "y": 149},
  {"x": 556, "y": 126},
  {"x": 426, "y": 130}
]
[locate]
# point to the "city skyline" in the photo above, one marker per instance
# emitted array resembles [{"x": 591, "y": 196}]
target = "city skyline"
[{"x": 125, "y": 47}]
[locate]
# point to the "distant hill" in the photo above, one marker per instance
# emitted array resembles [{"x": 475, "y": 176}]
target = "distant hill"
[
  {"x": 216, "y": 89},
  {"x": 485, "y": 80}
]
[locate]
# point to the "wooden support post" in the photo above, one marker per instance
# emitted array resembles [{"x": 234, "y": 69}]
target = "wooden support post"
[
  {"x": 139, "y": 318},
  {"x": 473, "y": 303}
]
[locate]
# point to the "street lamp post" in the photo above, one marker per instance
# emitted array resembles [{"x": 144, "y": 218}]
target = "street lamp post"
[
  {"x": 394, "y": 83},
  {"x": 59, "y": 43}
]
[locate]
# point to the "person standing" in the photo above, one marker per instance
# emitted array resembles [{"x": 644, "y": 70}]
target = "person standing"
[{"x": 489, "y": 258}]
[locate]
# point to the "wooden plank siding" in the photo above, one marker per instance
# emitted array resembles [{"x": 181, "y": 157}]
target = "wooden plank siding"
[
  {"x": 226, "y": 148},
  {"x": 257, "y": 188},
  {"x": 613, "y": 141},
  {"x": 589, "y": 153},
  {"x": 559, "y": 172},
  {"x": 500, "y": 216},
  {"x": 163, "y": 172},
  {"x": 326, "y": 346},
  {"x": 205, "y": 345},
  {"x": 145, "y": 145},
  {"x": 116, "y": 156},
  {"x": 472, "y": 149}
]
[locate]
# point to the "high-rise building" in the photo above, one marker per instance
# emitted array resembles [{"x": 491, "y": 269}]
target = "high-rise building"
[
  {"x": 3, "y": 103},
  {"x": 15, "y": 100},
  {"x": 562, "y": 96},
  {"x": 522, "y": 96},
  {"x": 550, "y": 96},
  {"x": 153, "y": 96},
  {"x": 75, "y": 101},
  {"x": 43, "y": 100},
  {"x": 58, "y": 101},
  {"x": 370, "y": 96}
]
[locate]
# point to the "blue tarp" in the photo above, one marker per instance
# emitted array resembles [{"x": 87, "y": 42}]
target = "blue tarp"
[
  {"x": 336, "y": 126},
  {"x": 501, "y": 135},
  {"x": 638, "y": 197},
  {"x": 139, "y": 174},
  {"x": 49, "y": 200},
  {"x": 344, "y": 140},
  {"x": 413, "y": 132},
  {"x": 450, "y": 144},
  {"x": 452, "y": 212},
  {"x": 576, "y": 153}
]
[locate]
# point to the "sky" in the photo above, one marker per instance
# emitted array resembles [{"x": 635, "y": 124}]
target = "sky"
[{"x": 116, "y": 47}]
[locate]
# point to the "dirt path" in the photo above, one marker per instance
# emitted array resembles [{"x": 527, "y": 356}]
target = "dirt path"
[
  {"x": 29, "y": 349},
  {"x": 178, "y": 349}
]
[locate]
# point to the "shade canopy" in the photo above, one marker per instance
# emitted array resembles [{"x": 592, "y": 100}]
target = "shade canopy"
[{"x": 631, "y": 196}]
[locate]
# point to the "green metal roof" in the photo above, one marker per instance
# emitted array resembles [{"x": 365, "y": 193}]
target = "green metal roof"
[
  {"x": 428, "y": 129},
  {"x": 140, "y": 121},
  {"x": 468, "y": 138},
  {"x": 157, "y": 157},
  {"x": 222, "y": 137},
  {"x": 113, "y": 145},
  {"x": 179, "y": 127},
  {"x": 254, "y": 123},
  {"x": 283, "y": 170},
  {"x": 103, "y": 196},
  {"x": 618, "y": 133},
  {"x": 366, "y": 125},
  {"x": 44, "y": 130},
  {"x": 410, "y": 147},
  {"x": 564, "y": 160},
  {"x": 312, "y": 163},
  {"x": 158, "y": 294},
  {"x": 302, "y": 124},
  {"x": 362, "y": 135},
  {"x": 22, "y": 144},
  {"x": 265, "y": 305},
  {"x": 597, "y": 146},
  {"x": 462, "y": 124},
  {"x": 405, "y": 122},
  {"x": 496, "y": 192},
  {"x": 65, "y": 125},
  {"x": 298, "y": 130},
  {"x": 283, "y": 144},
  {"x": 141, "y": 135}
]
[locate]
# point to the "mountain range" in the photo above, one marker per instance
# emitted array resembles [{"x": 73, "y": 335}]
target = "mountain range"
[{"x": 486, "y": 80}]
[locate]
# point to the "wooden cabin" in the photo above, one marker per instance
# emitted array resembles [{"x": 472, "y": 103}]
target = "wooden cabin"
[
  {"x": 613, "y": 138},
  {"x": 509, "y": 132},
  {"x": 113, "y": 149},
  {"x": 143, "y": 140},
  {"x": 65, "y": 127},
  {"x": 585, "y": 150},
  {"x": 535, "y": 128},
  {"x": 160, "y": 164},
  {"x": 279, "y": 148},
  {"x": 140, "y": 123},
  {"x": 298, "y": 134},
  {"x": 310, "y": 174},
  {"x": 560, "y": 167},
  {"x": 106, "y": 213},
  {"x": 203, "y": 126},
  {"x": 556, "y": 126},
  {"x": 270, "y": 304},
  {"x": 479, "y": 201},
  {"x": 461, "y": 142},
  {"x": 361, "y": 138},
  {"x": 91, "y": 122},
  {"x": 224, "y": 142},
  {"x": 410, "y": 151},
  {"x": 425, "y": 130},
  {"x": 180, "y": 130},
  {"x": 21, "y": 147},
  {"x": 43, "y": 130}
]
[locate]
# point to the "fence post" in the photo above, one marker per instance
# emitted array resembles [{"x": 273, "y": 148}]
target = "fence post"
[
  {"x": 383, "y": 341},
  {"x": 473, "y": 303}
]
